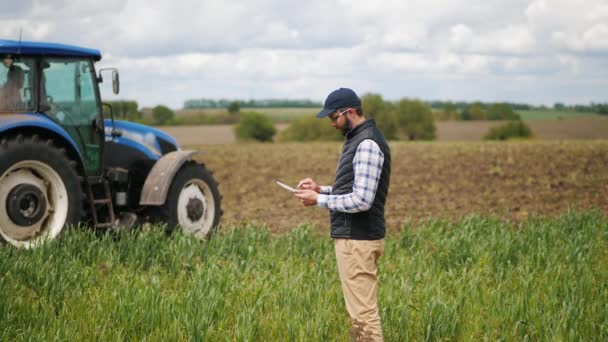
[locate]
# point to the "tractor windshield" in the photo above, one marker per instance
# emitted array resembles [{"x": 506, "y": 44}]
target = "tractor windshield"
[{"x": 16, "y": 84}]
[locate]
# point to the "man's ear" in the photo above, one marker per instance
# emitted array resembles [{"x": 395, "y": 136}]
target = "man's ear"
[{"x": 350, "y": 111}]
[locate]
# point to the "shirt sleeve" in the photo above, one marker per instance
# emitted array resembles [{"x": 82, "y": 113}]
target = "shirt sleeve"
[
  {"x": 325, "y": 189},
  {"x": 367, "y": 166}
]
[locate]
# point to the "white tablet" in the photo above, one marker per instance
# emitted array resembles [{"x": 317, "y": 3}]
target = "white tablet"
[{"x": 286, "y": 187}]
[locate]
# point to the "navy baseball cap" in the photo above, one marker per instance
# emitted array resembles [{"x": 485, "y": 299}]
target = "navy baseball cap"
[{"x": 340, "y": 98}]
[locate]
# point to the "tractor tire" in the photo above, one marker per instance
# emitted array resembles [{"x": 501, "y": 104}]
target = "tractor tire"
[
  {"x": 40, "y": 191},
  {"x": 193, "y": 202}
]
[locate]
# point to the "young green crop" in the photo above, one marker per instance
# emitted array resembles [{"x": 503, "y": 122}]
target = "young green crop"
[{"x": 476, "y": 279}]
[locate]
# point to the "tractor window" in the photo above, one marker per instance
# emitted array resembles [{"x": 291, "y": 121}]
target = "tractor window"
[
  {"x": 16, "y": 84},
  {"x": 69, "y": 92}
]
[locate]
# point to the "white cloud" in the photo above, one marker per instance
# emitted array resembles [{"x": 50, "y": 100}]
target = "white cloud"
[
  {"x": 171, "y": 51},
  {"x": 460, "y": 36},
  {"x": 578, "y": 26},
  {"x": 596, "y": 38}
]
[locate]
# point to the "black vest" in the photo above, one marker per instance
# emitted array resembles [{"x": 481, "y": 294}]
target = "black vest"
[{"x": 364, "y": 225}]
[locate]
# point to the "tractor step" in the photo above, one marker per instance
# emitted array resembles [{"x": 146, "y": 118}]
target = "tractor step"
[
  {"x": 101, "y": 202},
  {"x": 125, "y": 221}
]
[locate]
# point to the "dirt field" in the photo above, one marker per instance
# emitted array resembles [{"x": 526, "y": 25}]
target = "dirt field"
[
  {"x": 509, "y": 180},
  {"x": 580, "y": 128}
]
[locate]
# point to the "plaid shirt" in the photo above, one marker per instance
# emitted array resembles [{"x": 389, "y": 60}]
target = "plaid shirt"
[{"x": 367, "y": 165}]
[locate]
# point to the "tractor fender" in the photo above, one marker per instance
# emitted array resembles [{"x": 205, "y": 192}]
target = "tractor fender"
[
  {"x": 159, "y": 179},
  {"x": 37, "y": 123}
]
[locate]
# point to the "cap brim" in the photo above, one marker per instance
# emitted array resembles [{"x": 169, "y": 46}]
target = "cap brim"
[{"x": 325, "y": 112}]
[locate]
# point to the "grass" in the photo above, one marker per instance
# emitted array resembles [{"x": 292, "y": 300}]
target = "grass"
[
  {"x": 550, "y": 114},
  {"x": 476, "y": 279}
]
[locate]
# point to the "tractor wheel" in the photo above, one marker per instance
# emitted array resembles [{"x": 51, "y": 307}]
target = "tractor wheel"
[
  {"x": 39, "y": 191},
  {"x": 193, "y": 202}
]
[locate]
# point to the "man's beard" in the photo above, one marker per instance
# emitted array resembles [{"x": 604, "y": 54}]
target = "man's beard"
[{"x": 347, "y": 127}]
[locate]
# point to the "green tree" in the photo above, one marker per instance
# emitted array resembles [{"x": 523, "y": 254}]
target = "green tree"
[
  {"x": 449, "y": 111},
  {"x": 501, "y": 111},
  {"x": 477, "y": 111},
  {"x": 255, "y": 126},
  {"x": 416, "y": 119},
  {"x": 162, "y": 115},
  {"x": 309, "y": 128},
  {"x": 125, "y": 109},
  {"x": 383, "y": 112},
  {"x": 234, "y": 107}
]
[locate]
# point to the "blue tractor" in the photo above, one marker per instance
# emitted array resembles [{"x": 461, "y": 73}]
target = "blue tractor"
[{"x": 63, "y": 162}]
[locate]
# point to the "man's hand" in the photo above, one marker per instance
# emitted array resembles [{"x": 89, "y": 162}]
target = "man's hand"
[
  {"x": 308, "y": 197},
  {"x": 308, "y": 183}
]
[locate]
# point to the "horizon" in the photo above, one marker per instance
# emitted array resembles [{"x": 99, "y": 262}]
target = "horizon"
[{"x": 427, "y": 101}]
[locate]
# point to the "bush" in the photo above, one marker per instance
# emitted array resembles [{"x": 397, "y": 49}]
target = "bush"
[
  {"x": 502, "y": 111},
  {"x": 310, "y": 129},
  {"x": 162, "y": 115},
  {"x": 125, "y": 109},
  {"x": 234, "y": 107},
  {"x": 449, "y": 111},
  {"x": 255, "y": 126},
  {"x": 416, "y": 119},
  {"x": 384, "y": 114},
  {"x": 514, "y": 129},
  {"x": 475, "y": 111}
]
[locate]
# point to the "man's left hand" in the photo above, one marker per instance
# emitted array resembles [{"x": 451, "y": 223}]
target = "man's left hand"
[{"x": 308, "y": 197}]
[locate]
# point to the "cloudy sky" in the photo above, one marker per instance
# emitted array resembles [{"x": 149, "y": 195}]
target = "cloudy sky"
[{"x": 534, "y": 51}]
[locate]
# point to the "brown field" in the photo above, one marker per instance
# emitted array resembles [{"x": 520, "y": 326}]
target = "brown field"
[
  {"x": 592, "y": 127},
  {"x": 580, "y": 128},
  {"x": 512, "y": 180}
]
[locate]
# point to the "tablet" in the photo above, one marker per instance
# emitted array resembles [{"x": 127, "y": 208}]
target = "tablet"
[{"x": 286, "y": 187}]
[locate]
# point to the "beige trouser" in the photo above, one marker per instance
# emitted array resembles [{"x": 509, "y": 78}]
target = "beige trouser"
[{"x": 357, "y": 266}]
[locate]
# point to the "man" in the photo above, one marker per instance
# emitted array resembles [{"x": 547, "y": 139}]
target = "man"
[
  {"x": 356, "y": 203},
  {"x": 10, "y": 96}
]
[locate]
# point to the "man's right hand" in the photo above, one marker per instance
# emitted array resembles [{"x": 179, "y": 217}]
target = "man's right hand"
[{"x": 308, "y": 183}]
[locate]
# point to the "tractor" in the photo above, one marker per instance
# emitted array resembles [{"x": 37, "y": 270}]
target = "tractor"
[{"x": 65, "y": 161}]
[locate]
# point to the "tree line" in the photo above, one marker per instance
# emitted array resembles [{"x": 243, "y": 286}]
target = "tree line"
[
  {"x": 264, "y": 103},
  {"x": 412, "y": 119},
  {"x": 464, "y": 107},
  {"x": 600, "y": 108},
  {"x": 125, "y": 109},
  {"x": 405, "y": 119}
]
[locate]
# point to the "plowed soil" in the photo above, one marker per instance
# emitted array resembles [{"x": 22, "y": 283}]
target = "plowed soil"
[{"x": 512, "y": 180}]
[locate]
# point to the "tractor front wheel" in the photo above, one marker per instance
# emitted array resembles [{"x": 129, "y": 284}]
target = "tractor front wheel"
[
  {"x": 39, "y": 191},
  {"x": 193, "y": 201}
]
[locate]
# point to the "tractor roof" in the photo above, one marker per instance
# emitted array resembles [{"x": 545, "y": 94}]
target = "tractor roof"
[{"x": 46, "y": 49}]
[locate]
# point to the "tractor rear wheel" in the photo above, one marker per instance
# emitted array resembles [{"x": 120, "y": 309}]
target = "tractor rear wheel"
[
  {"x": 39, "y": 191},
  {"x": 193, "y": 202}
]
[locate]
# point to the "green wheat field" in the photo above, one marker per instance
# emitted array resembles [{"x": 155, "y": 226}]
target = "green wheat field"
[{"x": 476, "y": 279}]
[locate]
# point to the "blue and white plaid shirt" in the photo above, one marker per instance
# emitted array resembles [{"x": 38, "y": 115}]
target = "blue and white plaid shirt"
[{"x": 367, "y": 165}]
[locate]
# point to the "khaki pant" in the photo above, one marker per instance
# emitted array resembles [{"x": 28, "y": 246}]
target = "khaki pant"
[{"x": 357, "y": 266}]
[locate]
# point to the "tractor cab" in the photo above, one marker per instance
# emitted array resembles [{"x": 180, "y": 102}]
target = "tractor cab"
[{"x": 64, "y": 89}]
